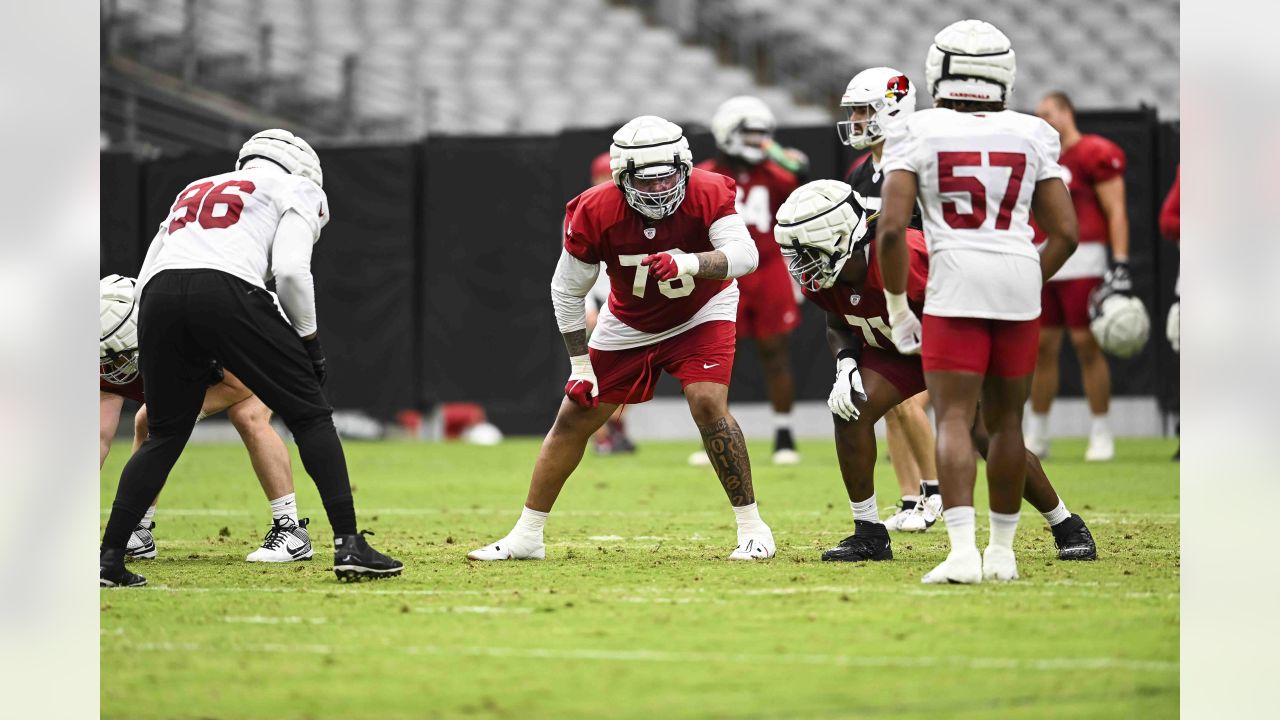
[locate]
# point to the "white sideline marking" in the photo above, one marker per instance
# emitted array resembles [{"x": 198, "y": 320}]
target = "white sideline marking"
[
  {"x": 667, "y": 656},
  {"x": 268, "y": 620},
  {"x": 476, "y": 609}
]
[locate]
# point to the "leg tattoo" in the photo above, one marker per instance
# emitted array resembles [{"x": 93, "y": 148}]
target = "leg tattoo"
[{"x": 728, "y": 452}]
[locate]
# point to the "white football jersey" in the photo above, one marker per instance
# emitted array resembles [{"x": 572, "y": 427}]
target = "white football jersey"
[
  {"x": 976, "y": 174},
  {"x": 228, "y": 222}
]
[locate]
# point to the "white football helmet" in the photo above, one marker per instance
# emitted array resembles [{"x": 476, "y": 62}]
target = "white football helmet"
[
  {"x": 286, "y": 150},
  {"x": 819, "y": 227},
  {"x": 740, "y": 116},
  {"x": 1173, "y": 326},
  {"x": 879, "y": 96},
  {"x": 1119, "y": 322},
  {"x": 651, "y": 163},
  {"x": 970, "y": 60},
  {"x": 118, "y": 322}
]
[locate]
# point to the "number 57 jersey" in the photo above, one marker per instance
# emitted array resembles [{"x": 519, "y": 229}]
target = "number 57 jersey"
[{"x": 228, "y": 222}]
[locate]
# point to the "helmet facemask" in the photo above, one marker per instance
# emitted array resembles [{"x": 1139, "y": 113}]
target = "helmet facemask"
[
  {"x": 747, "y": 143},
  {"x": 862, "y": 129},
  {"x": 655, "y": 191},
  {"x": 119, "y": 368}
]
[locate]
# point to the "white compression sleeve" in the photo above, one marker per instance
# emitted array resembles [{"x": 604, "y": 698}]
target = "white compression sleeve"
[
  {"x": 729, "y": 235},
  {"x": 569, "y": 286},
  {"x": 291, "y": 266}
]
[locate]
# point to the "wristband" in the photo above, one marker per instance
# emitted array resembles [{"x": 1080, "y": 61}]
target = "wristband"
[
  {"x": 847, "y": 354},
  {"x": 896, "y": 303},
  {"x": 686, "y": 263},
  {"x": 580, "y": 364}
]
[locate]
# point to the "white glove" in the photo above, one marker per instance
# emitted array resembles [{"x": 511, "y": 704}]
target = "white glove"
[
  {"x": 847, "y": 392},
  {"x": 903, "y": 324},
  {"x": 1173, "y": 328},
  {"x": 582, "y": 386}
]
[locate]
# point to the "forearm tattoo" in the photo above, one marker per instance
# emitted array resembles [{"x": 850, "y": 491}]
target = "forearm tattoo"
[
  {"x": 576, "y": 342},
  {"x": 728, "y": 452},
  {"x": 712, "y": 265}
]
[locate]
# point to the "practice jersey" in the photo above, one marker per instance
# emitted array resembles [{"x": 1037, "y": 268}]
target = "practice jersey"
[
  {"x": 228, "y": 222},
  {"x": 865, "y": 310},
  {"x": 976, "y": 173},
  {"x": 866, "y": 179},
  {"x": 762, "y": 188},
  {"x": 1093, "y": 159},
  {"x": 601, "y": 228}
]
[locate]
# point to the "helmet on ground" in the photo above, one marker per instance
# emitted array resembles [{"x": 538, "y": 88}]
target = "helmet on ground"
[
  {"x": 286, "y": 150},
  {"x": 651, "y": 163},
  {"x": 741, "y": 126},
  {"x": 874, "y": 99},
  {"x": 819, "y": 227},
  {"x": 118, "y": 325},
  {"x": 970, "y": 60}
]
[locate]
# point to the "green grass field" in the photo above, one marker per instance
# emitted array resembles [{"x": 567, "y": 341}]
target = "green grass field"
[{"x": 635, "y": 613}]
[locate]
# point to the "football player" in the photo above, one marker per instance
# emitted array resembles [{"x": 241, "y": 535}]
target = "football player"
[
  {"x": 611, "y": 438},
  {"x": 979, "y": 170},
  {"x": 672, "y": 242},
  {"x": 829, "y": 252},
  {"x": 118, "y": 378},
  {"x": 203, "y": 298},
  {"x": 743, "y": 130},
  {"x": 1095, "y": 176},
  {"x": 874, "y": 99}
]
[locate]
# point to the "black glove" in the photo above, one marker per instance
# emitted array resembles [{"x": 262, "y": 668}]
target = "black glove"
[
  {"x": 1119, "y": 279},
  {"x": 314, "y": 350}
]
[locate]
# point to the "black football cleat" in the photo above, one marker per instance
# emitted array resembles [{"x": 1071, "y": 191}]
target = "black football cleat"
[
  {"x": 869, "y": 541},
  {"x": 113, "y": 573},
  {"x": 1074, "y": 540},
  {"x": 354, "y": 560}
]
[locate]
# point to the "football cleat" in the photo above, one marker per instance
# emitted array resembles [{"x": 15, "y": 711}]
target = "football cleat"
[
  {"x": 113, "y": 573},
  {"x": 699, "y": 459},
  {"x": 758, "y": 546},
  {"x": 1074, "y": 540},
  {"x": 905, "y": 509},
  {"x": 1102, "y": 448},
  {"x": 286, "y": 541},
  {"x": 924, "y": 515},
  {"x": 784, "y": 448},
  {"x": 869, "y": 541},
  {"x": 142, "y": 544},
  {"x": 786, "y": 456},
  {"x": 999, "y": 564},
  {"x": 962, "y": 567},
  {"x": 355, "y": 560},
  {"x": 509, "y": 548}
]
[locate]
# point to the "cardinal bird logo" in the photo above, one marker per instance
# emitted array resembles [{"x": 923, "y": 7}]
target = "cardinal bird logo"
[{"x": 898, "y": 87}]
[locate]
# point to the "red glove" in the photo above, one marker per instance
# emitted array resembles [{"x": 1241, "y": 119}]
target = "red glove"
[
  {"x": 671, "y": 264},
  {"x": 581, "y": 388}
]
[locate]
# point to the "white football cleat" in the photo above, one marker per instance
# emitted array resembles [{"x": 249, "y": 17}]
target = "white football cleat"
[
  {"x": 1102, "y": 448},
  {"x": 285, "y": 542},
  {"x": 510, "y": 548},
  {"x": 142, "y": 544},
  {"x": 963, "y": 567},
  {"x": 786, "y": 456},
  {"x": 999, "y": 564},
  {"x": 1037, "y": 444},
  {"x": 699, "y": 459},
  {"x": 893, "y": 523},
  {"x": 757, "y": 546}
]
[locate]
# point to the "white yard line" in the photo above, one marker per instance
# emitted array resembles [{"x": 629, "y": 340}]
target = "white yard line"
[
  {"x": 1050, "y": 664},
  {"x": 272, "y": 620}
]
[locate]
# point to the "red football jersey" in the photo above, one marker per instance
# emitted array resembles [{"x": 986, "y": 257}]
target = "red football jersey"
[
  {"x": 601, "y": 227},
  {"x": 131, "y": 389},
  {"x": 1093, "y": 159},
  {"x": 1171, "y": 211},
  {"x": 761, "y": 191},
  {"x": 865, "y": 310}
]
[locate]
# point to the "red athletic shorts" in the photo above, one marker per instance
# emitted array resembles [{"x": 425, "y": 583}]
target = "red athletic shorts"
[
  {"x": 1006, "y": 348},
  {"x": 1066, "y": 302},
  {"x": 703, "y": 353},
  {"x": 767, "y": 302},
  {"x": 902, "y": 371}
]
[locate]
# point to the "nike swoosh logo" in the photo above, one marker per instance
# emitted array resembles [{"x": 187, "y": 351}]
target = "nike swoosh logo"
[{"x": 708, "y": 367}]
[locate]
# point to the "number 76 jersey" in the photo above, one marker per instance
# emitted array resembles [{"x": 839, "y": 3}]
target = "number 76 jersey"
[
  {"x": 228, "y": 222},
  {"x": 864, "y": 311}
]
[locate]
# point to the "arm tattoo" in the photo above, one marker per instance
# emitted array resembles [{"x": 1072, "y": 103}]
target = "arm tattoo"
[
  {"x": 712, "y": 265},
  {"x": 728, "y": 452},
  {"x": 576, "y": 342}
]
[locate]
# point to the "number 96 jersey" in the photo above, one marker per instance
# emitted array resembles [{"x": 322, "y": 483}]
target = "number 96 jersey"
[
  {"x": 228, "y": 222},
  {"x": 864, "y": 311},
  {"x": 601, "y": 228}
]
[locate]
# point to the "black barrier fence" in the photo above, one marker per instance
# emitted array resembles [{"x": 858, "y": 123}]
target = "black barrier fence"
[{"x": 432, "y": 275}]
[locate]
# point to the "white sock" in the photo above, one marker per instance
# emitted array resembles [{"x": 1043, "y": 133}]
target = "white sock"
[
  {"x": 1003, "y": 528},
  {"x": 530, "y": 524},
  {"x": 147, "y": 516},
  {"x": 749, "y": 521},
  {"x": 285, "y": 506},
  {"x": 1058, "y": 514},
  {"x": 961, "y": 527},
  {"x": 1100, "y": 427},
  {"x": 781, "y": 421},
  {"x": 865, "y": 509},
  {"x": 1039, "y": 425}
]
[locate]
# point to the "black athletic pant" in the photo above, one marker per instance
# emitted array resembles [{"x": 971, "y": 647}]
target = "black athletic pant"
[{"x": 188, "y": 318}]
